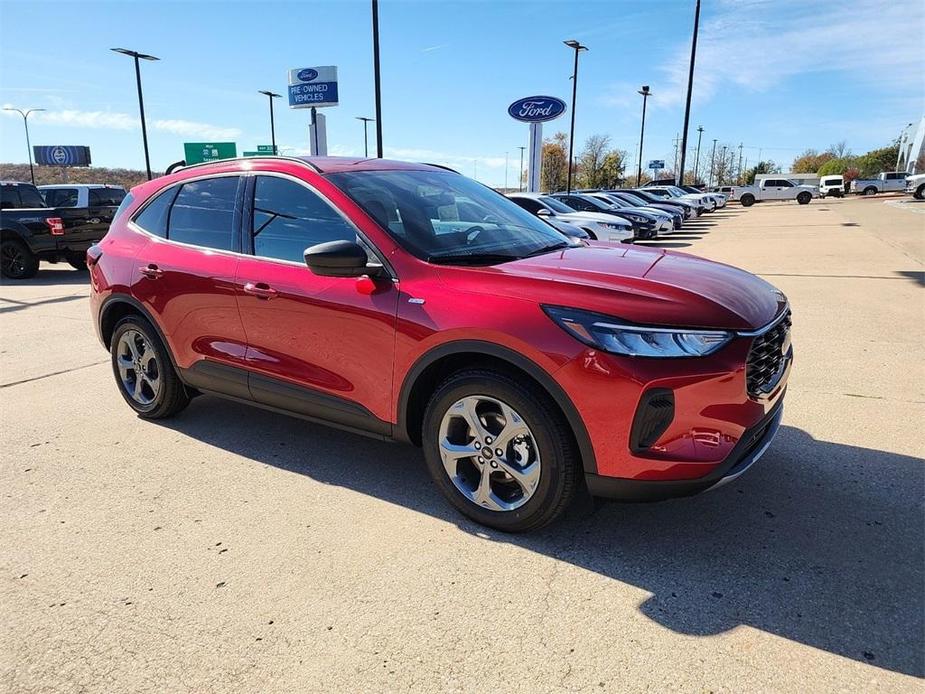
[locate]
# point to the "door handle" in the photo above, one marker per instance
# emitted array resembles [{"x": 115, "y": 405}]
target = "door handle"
[
  {"x": 261, "y": 290},
  {"x": 151, "y": 271}
]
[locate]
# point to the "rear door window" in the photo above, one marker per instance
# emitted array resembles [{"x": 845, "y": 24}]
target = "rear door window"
[
  {"x": 153, "y": 218},
  {"x": 203, "y": 213},
  {"x": 289, "y": 217},
  {"x": 106, "y": 197},
  {"x": 61, "y": 197}
]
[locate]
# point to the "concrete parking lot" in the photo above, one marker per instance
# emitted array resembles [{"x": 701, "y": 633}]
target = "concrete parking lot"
[{"x": 231, "y": 549}]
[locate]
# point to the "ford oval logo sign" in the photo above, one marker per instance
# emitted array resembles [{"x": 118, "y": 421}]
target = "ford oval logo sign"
[
  {"x": 536, "y": 109},
  {"x": 307, "y": 75}
]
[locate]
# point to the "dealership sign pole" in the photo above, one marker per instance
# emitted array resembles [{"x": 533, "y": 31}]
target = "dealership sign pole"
[
  {"x": 536, "y": 110},
  {"x": 314, "y": 88}
]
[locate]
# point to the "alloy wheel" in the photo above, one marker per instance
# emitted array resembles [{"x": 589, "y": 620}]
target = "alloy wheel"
[
  {"x": 13, "y": 259},
  {"x": 139, "y": 370},
  {"x": 489, "y": 453}
]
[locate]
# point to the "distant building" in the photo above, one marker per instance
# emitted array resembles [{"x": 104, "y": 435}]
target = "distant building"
[
  {"x": 803, "y": 179},
  {"x": 912, "y": 148}
]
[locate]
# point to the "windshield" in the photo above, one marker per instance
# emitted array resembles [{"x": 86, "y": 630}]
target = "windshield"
[
  {"x": 555, "y": 205},
  {"x": 634, "y": 199},
  {"x": 440, "y": 216}
]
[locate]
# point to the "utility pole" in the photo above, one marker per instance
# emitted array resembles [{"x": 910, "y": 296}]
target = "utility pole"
[
  {"x": 712, "y": 161},
  {"x": 377, "y": 77},
  {"x": 676, "y": 138},
  {"x": 520, "y": 174},
  {"x": 722, "y": 164},
  {"x": 505, "y": 170},
  {"x": 740, "y": 160},
  {"x": 690, "y": 87},
  {"x": 697, "y": 158}
]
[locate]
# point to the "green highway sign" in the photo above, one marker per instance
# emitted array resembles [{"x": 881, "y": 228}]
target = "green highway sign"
[
  {"x": 265, "y": 149},
  {"x": 253, "y": 154},
  {"x": 198, "y": 152},
  {"x": 262, "y": 151}
]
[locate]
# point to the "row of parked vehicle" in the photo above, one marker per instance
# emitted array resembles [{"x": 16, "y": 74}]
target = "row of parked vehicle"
[
  {"x": 621, "y": 215},
  {"x": 55, "y": 223}
]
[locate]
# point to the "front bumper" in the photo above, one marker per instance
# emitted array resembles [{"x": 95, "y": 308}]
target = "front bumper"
[{"x": 751, "y": 446}]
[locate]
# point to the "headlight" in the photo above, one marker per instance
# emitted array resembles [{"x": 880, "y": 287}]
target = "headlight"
[
  {"x": 611, "y": 225},
  {"x": 616, "y": 337},
  {"x": 637, "y": 218}
]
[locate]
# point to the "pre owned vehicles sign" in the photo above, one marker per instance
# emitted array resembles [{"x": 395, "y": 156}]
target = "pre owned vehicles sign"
[{"x": 313, "y": 87}]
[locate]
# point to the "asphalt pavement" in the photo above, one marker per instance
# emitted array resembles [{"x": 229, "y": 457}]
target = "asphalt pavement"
[{"x": 235, "y": 550}]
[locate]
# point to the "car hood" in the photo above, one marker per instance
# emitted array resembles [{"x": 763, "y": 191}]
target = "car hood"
[{"x": 640, "y": 285}]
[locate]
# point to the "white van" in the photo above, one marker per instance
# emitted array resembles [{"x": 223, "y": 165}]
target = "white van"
[{"x": 832, "y": 185}]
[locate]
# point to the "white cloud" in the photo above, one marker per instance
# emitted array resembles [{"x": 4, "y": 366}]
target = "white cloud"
[
  {"x": 110, "y": 120},
  {"x": 189, "y": 128},
  {"x": 445, "y": 158},
  {"x": 756, "y": 45}
]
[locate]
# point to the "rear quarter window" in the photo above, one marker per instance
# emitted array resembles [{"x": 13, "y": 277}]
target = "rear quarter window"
[{"x": 153, "y": 217}]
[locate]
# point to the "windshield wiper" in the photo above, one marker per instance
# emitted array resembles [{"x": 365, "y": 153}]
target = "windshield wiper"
[
  {"x": 547, "y": 249},
  {"x": 470, "y": 258}
]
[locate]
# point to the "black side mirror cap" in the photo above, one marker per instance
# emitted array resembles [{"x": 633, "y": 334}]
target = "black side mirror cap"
[{"x": 337, "y": 259}]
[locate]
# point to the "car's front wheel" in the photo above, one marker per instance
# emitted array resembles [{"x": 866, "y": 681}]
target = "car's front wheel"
[
  {"x": 919, "y": 193},
  {"x": 747, "y": 200},
  {"x": 804, "y": 198},
  {"x": 143, "y": 370},
  {"x": 499, "y": 450}
]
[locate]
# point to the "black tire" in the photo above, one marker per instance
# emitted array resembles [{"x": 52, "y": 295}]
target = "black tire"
[
  {"x": 591, "y": 234},
  {"x": 17, "y": 262},
  {"x": 919, "y": 193},
  {"x": 560, "y": 467},
  {"x": 747, "y": 200},
  {"x": 171, "y": 396},
  {"x": 78, "y": 261},
  {"x": 870, "y": 190},
  {"x": 804, "y": 198}
]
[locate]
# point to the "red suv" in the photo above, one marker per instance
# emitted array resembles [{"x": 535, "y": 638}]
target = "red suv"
[{"x": 408, "y": 302}]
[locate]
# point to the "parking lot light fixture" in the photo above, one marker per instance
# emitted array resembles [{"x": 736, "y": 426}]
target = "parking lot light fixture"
[
  {"x": 141, "y": 102},
  {"x": 25, "y": 122},
  {"x": 646, "y": 93},
  {"x": 578, "y": 48},
  {"x": 712, "y": 161},
  {"x": 366, "y": 122},
  {"x": 520, "y": 175},
  {"x": 271, "y": 96},
  {"x": 697, "y": 158},
  {"x": 690, "y": 89}
]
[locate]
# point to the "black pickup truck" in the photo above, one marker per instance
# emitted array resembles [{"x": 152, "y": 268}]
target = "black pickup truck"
[{"x": 31, "y": 231}]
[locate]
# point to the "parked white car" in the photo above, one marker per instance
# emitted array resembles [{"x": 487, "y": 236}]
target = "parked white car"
[
  {"x": 82, "y": 195},
  {"x": 832, "y": 185},
  {"x": 775, "y": 189},
  {"x": 886, "y": 182},
  {"x": 601, "y": 227},
  {"x": 706, "y": 202}
]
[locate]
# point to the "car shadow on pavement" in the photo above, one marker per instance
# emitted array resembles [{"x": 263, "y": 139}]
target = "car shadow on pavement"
[
  {"x": 54, "y": 275},
  {"x": 821, "y": 543},
  {"x": 917, "y": 276}
]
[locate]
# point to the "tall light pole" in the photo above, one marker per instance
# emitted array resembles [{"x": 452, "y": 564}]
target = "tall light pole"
[
  {"x": 578, "y": 48},
  {"x": 712, "y": 161},
  {"x": 366, "y": 122},
  {"x": 520, "y": 173},
  {"x": 25, "y": 122},
  {"x": 740, "y": 160},
  {"x": 377, "y": 79},
  {"x": 722, "y": 167},
  {"x": 271, "y": 96},
  {"x": 690, "y": 88},
  {"x": 697, "y": 158},
  {"x": 141, "y": 102},
  {"x": 505, "y": 169},
  {"x": 642, "y": 131}
]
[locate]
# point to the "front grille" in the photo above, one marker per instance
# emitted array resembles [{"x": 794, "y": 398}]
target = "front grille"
[{"x": 767, "y": 358}]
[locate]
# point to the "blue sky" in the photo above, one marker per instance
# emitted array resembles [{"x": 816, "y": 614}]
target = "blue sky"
[{"x": 776, "y": 75}]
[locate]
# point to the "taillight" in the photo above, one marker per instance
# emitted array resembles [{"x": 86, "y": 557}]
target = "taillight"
[{"x": 55, "y": 225}]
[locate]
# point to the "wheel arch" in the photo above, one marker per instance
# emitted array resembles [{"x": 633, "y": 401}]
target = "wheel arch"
[
  {"x": 437, "y": 364},
  {"x": 117, "y": 307}
]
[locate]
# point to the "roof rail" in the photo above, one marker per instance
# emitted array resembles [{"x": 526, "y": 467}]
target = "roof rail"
[{"x": 298, "y": 160}]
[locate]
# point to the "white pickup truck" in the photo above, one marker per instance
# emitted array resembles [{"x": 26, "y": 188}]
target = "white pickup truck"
[
  {"x": 886, "y": 182},
  {"x": 915, "y": 184},
  {"x": 775, "y": 189}
]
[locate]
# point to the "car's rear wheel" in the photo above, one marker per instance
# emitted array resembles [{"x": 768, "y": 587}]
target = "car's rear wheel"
[
  {"x": 499, "y": 450},
  {"x": 870, "y": 190},
  {"x": 919, "y": 193},
  {"x": 804, "y": 198},
  {"x": 747, "y": 200},
  {"x": 143, "y": 370},
  {"x": 17, "y": 262}
]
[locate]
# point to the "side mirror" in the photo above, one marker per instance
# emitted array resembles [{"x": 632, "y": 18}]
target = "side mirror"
[
  {"x": 337, "y": 259},
  {"x": 543, "y": 212}
]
